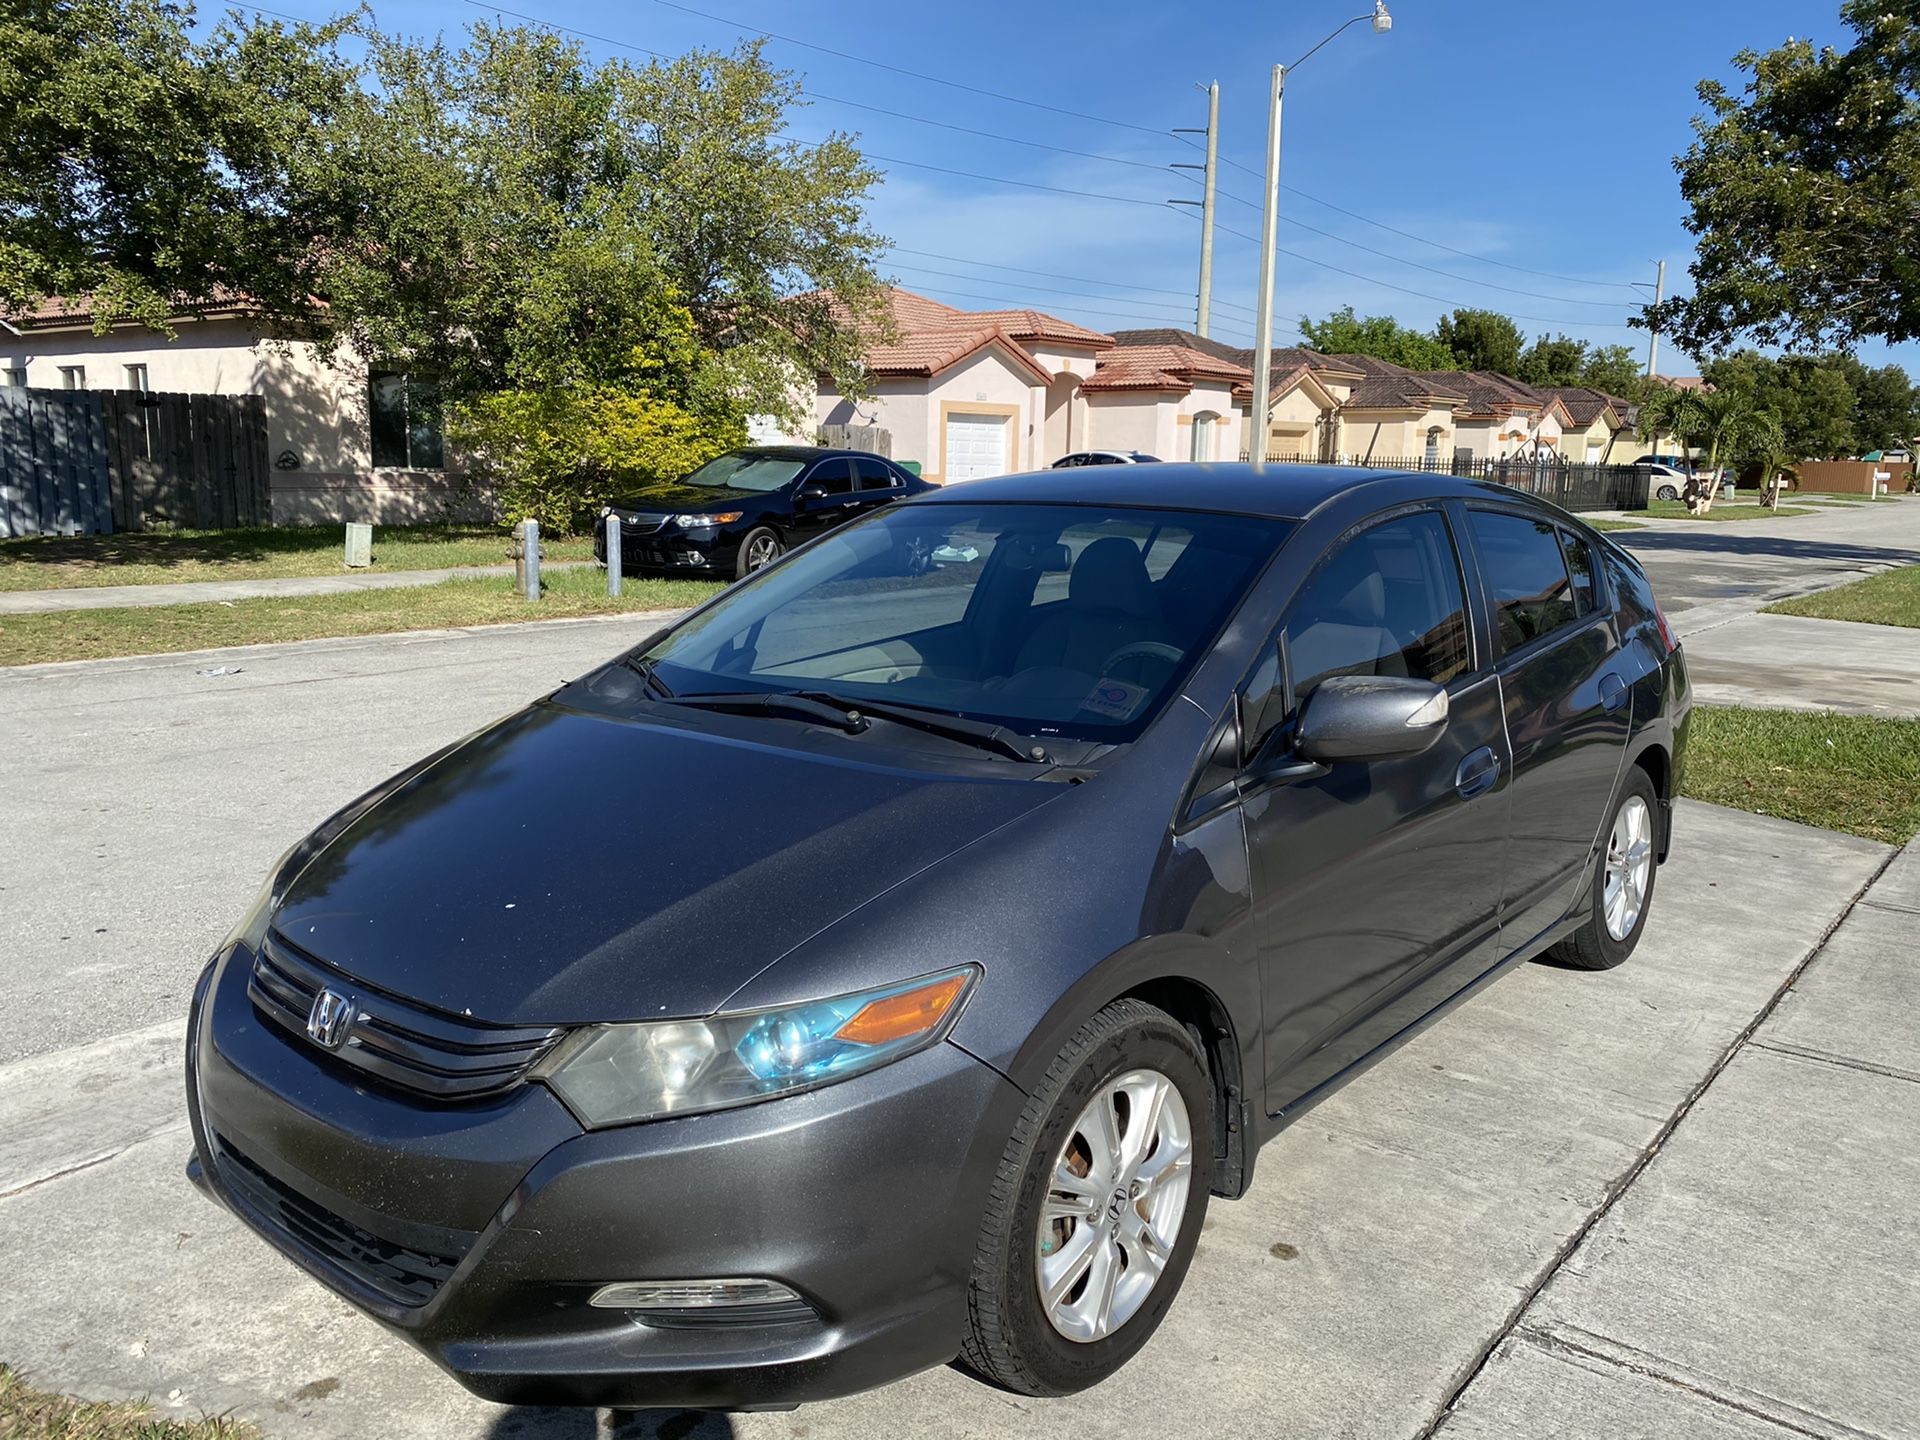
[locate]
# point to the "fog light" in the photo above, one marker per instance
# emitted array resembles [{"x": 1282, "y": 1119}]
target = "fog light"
[
  {"x": 692, "y": 557},
  {"x": 690, "y": 1294}
]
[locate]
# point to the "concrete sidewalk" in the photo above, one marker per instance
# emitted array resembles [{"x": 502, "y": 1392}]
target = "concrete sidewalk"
[
  {"x": 1758, "y": 1278},
  {"x": 1794, "y": 662},
  {"x": 1394, "y": 1237},
  {"x": 201, "y": 592}
]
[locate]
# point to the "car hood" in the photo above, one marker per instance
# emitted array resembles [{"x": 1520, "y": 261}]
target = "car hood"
[
  {"x": 692, "y": 499},
  {"x": 563, "y": 868}
]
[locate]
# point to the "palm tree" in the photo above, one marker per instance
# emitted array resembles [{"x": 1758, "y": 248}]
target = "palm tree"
[{"x": 1726, "y": 422}]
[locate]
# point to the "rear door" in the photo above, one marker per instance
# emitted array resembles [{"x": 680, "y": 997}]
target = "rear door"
[
  {"x": 1376, "y": 884},
  {"x": 875, "y": 483},
  {"x": 1566, "y": 703}
]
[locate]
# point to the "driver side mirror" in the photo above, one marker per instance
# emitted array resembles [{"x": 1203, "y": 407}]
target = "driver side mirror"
[
  {"x": 1370, "y": 717},
  {"x": 808, "y": 494}
]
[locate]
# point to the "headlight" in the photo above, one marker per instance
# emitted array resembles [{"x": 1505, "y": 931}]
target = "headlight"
[
  {"x": 252, "y": 929},
  {"x": 615, "y": 1074},
  {"x": 707, "y": 522}
]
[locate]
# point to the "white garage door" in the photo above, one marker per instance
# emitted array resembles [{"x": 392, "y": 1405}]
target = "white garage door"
[{"x": 976, "y": 447}]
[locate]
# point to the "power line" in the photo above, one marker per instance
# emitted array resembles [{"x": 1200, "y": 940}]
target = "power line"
[
  {"x": 1422, "y": 294},
  {"x": 1057, "y": 275},
  {"x": 1420, "y": 239},
  {"x": 1054, "y": 290},
  {"x": 1255, "y": 206},
  {"x": 902, "y": 70}
]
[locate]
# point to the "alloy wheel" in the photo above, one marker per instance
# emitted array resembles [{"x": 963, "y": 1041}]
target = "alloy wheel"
[
  {"x": 762, "y": 551},
  {"x": 1629, "y": 865},
  {"x": 1114, "y": 1203}
]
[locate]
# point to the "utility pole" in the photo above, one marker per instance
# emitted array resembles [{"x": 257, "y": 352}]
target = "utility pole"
[
  {"x": 1203, "y": 303},
  {"x": 1653, "y": 336},
  {"x": 1269, "y": 236}
]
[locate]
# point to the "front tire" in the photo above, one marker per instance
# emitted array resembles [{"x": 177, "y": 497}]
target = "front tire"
[
  {"x": 1622, "y": 881},
  {"x": 1095, "y": 1213},
  {"x": 759, "y": 549},
  {"x": 1666, "y": 492}
]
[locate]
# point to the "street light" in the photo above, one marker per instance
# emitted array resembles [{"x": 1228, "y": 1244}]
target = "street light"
[{"x": 1269, "y": 234}]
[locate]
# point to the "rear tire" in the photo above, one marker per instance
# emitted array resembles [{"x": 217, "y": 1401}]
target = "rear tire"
[
  {"x": 1666, "y": 492},
  {"x": 1623, "y": 876},
  {"x": 1117, "y": 1264}
]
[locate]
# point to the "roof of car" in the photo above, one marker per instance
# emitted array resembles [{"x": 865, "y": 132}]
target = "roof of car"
[
  {"x": 1281, "y": 492},
  {"x": 804, "y": 452}
]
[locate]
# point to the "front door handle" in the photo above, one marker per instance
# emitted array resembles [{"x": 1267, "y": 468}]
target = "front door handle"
[
  {"x": 1613, "y": 692},
  {"x": 1477, "y": 773}
]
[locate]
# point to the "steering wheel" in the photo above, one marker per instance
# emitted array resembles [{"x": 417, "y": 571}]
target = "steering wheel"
[{"x": 1143, "y": 650}]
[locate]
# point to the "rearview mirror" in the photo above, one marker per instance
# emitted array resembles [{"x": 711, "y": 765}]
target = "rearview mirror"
[
  {"x": 807, "y": 494},
  {"x": 1370, "y": 717}
]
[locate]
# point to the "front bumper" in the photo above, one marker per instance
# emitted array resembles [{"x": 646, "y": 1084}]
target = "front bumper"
[
  {"x": 669, "y": 551},
  {"x": 479, "y": 1231}
]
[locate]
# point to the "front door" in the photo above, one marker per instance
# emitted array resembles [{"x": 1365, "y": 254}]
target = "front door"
[
  {"x": 1567, "y": 707},
  {"x": 1377, "y": 883},
  {"x": 819, "y": 514}
]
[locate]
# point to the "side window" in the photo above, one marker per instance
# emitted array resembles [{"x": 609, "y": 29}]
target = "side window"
[
  {"x": 1526, "y": 575},
  {"x": 1580, "y": 567},
  {"x": 1387, "y": 602},
  {"x": 873, "y": 475},
  {"x": 835, "y": 476}
]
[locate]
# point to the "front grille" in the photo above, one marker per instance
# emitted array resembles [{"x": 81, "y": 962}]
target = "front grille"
[
  {"x": 641, "y": 523},
  {"x": 422, "y": 1051},
  {"x": 394, "y": 1272}
]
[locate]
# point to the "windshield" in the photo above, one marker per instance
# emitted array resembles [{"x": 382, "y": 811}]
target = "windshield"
[
  {"x": 1050, "y": 619},
  {"x": 747, "y": 472}
]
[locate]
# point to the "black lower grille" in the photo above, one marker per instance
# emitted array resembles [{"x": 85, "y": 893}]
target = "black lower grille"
[
  {"x": 396, "y": 1273},
  {"x": 442, "y": 1057}
]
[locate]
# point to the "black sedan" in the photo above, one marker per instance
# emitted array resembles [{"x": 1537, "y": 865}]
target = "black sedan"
[
  {"x": 893, "y": 959},
  {"x": 746, "y": 508}
]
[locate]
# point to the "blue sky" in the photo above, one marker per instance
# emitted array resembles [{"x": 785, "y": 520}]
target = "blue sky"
[{"x": 1536, "y": 138}]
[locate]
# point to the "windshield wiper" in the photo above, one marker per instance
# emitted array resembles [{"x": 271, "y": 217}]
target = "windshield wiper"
[
  {"x": 981, "y": 734},
  {"x": 781, "y": 701},
  {"x": 644, "y": 669}
]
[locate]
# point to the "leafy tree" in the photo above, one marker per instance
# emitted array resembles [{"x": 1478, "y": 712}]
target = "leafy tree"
[
  {"x": 1380, "y": 336},
  {"x": 1802, "y": 193},
  {"x": 1481, "y": 340},
  {"x": 1726, "y": 422},
  {"x": 1614, "y": 369},
  {"x": 1561, "y": 360},
  {"x": 1886, "y": 410},
  {"x": 1809, "y": 395},
  {"x": 147, "y": 169}
]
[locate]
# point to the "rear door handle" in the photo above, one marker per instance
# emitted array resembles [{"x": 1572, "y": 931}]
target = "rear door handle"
[
  {"x": 1477, "y": 773},
  {"x": 1613, "y": 692}
]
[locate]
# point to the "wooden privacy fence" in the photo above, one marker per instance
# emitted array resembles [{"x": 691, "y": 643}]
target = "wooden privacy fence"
[{"x": 85, "y": 462}]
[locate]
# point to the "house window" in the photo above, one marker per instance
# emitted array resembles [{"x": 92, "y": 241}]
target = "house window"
[
  {"x": 73, "y": 377},
  {"x": 15, "y": 375},
  {"x": 403, "y": 413},
  {"x": 137, "y": 377}
]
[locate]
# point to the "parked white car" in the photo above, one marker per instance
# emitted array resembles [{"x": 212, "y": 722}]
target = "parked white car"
[{"x": 1104, "y": 457}]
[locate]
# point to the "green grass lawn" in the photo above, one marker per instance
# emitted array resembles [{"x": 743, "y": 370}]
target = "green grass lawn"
[
  {"x": 29, "y": 1414},
  {"x": 1889, "y": 598},
  {"x": 161, "y": 629},
  {"x": 1857, "y": 773},
  {"x": 1614, "y": 524},
  {"x": 163, "y": 557},
  {"x": 1722, "y": 510}
]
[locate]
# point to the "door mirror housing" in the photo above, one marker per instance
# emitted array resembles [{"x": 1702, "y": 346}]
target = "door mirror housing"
[
  {"x": 810, "y": 494},
  {"x": 1370, "y": 717}
]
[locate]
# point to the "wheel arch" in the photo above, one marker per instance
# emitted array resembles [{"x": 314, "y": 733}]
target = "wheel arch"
[
  {"x": 1657, "y": 761},
  {"x": 1201, "y": 1013}
]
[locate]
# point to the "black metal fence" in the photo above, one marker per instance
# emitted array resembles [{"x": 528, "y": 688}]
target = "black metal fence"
[{"x": 1570, "y": 486}]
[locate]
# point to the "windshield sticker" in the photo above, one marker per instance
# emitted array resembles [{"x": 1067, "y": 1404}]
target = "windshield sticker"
[{"x": 1115, "y": 698}]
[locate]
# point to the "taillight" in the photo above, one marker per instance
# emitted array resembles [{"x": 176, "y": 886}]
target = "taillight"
[{"x": 1666, "y": 630}]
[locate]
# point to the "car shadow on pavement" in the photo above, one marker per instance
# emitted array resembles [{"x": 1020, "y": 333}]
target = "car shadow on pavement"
[
  {"x": 1707, "y": 540},
  {"x": 554, "y": 1422}
]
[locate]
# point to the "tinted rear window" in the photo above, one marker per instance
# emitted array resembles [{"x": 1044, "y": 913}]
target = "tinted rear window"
[{"x": 1526, "y": 574}]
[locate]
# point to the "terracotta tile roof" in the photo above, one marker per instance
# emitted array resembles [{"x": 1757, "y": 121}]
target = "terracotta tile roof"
[
  {"x": 1483, "y": 393},
  {"x": 58, "y": 312},
  {"x": 1583, "y": 403},
  {"x": 930, "y": 337},
  {"x": 1187, "y": 339},
  {"x": 1162, "y": 367}
]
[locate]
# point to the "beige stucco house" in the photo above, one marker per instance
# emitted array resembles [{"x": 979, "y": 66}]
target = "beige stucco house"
[
  {"x": 971, "y": 393},
  {"x": 1596, "y": 430},
  {"x": 345, "y": 440}
]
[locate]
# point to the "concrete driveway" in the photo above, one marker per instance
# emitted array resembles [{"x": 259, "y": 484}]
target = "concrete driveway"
[{"x": 1544, "y": 1207}]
